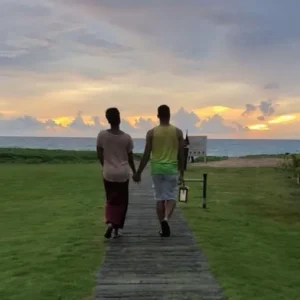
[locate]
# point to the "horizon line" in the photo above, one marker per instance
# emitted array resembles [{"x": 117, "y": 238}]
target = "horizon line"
[{"x": 143, "y": 138}]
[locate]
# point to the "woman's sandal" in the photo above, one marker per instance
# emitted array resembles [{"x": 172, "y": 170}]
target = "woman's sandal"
[
  {"x": 108, "y": 231},
  {"x": 117, "y": 234}
]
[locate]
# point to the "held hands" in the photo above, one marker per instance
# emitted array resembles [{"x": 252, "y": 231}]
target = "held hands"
[{"x": 136, "y": 177}]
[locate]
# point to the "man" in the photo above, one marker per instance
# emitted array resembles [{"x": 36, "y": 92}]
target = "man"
[
  {"x": 114, "y": 149},
  {"x": 166, "y": 145}
]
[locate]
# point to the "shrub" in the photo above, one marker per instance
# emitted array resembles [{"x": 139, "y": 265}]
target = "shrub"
[{"x": 296, "y": 166}]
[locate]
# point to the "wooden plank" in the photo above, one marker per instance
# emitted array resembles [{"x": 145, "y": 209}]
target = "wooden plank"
[{"x": 143, "y": 265}]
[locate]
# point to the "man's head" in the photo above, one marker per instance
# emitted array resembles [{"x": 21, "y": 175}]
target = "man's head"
[
  {"x": 163, "y": 113},
  {"x": 113, "y": 116}
]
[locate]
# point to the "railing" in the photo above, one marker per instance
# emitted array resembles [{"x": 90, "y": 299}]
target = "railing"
[{"x": 204, "y": 188}]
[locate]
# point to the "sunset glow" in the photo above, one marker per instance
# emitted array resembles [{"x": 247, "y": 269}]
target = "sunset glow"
[
  {"x": 211, "y": 110},
  {"x": 63, "y": 121},
  {"x": 60, "y": 74},
  {"x": 259, "y": 127},
  {"x": 133, "y": 119},
  {"x": 282, "y": 119}
]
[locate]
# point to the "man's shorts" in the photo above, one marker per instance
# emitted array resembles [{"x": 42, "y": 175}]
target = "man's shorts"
[{"x": 165, "y": 187}]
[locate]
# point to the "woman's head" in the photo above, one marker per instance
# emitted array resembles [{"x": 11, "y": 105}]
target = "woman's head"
[{"x": 113, "y": 116}]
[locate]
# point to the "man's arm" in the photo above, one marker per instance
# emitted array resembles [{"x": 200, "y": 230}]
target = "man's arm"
[
  {"x": 181, "y": 145},
  {"x": 147, "y": 152}
]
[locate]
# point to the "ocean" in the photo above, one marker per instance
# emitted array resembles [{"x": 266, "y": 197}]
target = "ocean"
[{"x": 215, "y": 147}]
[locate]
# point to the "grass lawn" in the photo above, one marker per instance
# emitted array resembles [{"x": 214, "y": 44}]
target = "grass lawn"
[
  {"x": 51, "y": 224},
  {"x": 46, "y": 156},
  {"x": 250, "y": 232},
  {"x": 51, "y": 228}
]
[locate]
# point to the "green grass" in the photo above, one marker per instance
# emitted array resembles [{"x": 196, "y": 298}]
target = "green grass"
[
  {"x": 250, "y": 231},
  {"x": 45, "y": 156},
  {"x": 51, "y": 224}
]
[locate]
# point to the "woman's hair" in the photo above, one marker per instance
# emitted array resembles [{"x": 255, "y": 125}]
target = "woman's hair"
[{"x": 113, "y": 116}]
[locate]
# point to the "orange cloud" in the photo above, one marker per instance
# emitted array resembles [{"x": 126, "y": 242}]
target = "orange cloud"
[
  {"x": 275, "y": 121},
  {"x": 132, "y": 119},
  {"x": 63, "y": 121},
  {"x": 210, "y": 110},
  {"x": 259, "y": 127},
  {"x": 282, "y": 119},
  {"x": 66, "y": 120}
]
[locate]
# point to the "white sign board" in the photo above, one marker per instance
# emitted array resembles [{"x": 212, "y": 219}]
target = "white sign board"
[{"x": 198, "y": 146}]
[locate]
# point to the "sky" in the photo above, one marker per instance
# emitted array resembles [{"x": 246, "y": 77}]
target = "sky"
[{"x": 227, "y": 69}]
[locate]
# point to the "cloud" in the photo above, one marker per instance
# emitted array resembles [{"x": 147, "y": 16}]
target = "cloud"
[
  {"x": 78, "y": 123},
  {"x": 216, "y": 125},
  {"x": 48, "y": 37},
  {"x": 21, "y": 10},
  {"x": 272, "y": 86},
  {"x": 266, "y": 108},
  {"x": 138, "y": 54},
  {"x": 20, "y": 125},
  {"x": 144, "y": 124},
  {"x": 250, "y": 108},
  {"x": 261, "y": 118},
  {"x": 92, "y": 41},
  {"x": 51, "y": 124},
  {"x": 89, "y": 126},
  {"x": 96, "y": 121},
  {"x": 186, "y": 120}
]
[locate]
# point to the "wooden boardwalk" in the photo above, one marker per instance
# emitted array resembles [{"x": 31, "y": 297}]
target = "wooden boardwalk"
[{"x": 141, "y": 265}]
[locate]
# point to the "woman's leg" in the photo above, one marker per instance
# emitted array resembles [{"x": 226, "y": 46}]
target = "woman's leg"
[
  {"x": 108, "y": 186},
  {"x": 125, "y": 197}
]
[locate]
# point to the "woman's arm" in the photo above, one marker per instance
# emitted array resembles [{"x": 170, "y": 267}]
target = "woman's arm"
[
  {"x": 130, "y": 155},
  {"x": 100, "y": 155},
  {"x": 131, "y": 162},
  {"x": 100, "y": 149}
]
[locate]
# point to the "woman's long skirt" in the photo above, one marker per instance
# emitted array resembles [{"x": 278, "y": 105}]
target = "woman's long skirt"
[{"x": 117, "y": 195}]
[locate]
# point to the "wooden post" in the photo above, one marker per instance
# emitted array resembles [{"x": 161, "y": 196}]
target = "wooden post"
[
  {"x": 204, "y": 190},
  {"x": 186, "y": 154}
]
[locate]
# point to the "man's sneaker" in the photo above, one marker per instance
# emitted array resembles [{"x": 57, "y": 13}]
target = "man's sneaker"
[{"x": 165, "y": 229}]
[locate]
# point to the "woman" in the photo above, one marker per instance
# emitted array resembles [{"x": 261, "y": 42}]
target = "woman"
[{"x": 114, "y": 148}]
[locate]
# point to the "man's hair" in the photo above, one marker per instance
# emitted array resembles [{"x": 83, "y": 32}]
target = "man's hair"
[
  {"x": 113, "y": 116},
  {"x": 163, "y": 112}
]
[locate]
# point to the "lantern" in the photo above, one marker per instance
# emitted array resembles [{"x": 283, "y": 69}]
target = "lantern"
[{"x": 183, "y": 194}]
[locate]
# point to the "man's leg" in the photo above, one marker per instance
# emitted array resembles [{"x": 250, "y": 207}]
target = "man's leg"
[
  {"x": 160, "y": 207},
  {"x": 170, "y": 193},
  {"x": 158, "y": 182},
  {"x": 169, "y": 208},
  {"x": 169, "y": 190},
  {"x": 160, "y": 210}
]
